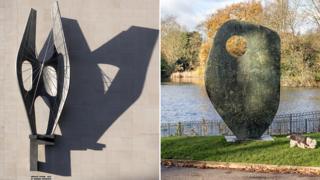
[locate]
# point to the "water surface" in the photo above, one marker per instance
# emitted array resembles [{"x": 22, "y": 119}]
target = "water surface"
[{"x": 181, "y": 101}]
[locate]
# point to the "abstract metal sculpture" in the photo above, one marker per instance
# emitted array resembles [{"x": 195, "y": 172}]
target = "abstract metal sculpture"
[
  {"x": 245, "y": 91},
  {"x": 50, "y": 78}
]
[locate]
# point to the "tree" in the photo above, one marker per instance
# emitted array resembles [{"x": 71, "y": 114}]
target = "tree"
[
  {"x": 313, "y": 11},
  {"x": 246, "y": 11},
  {"x": 192, "y": 48},
  {"x": 179, "y": 48},
  {"x": 172, "y": 40},
  {"x": 282, "y": 16},
  {"x": 166, "y": 69},
  {"x": 300, "y": 61}
]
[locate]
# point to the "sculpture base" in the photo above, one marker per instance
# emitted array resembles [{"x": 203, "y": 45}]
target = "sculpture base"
[
  {"x": 262, "y": 138},
  {"x": 36, "y": 140}
]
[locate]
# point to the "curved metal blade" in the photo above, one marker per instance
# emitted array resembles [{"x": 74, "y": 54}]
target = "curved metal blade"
[
  {"x": 64, "y": 70},
  {"x": 27, "y": 52}
]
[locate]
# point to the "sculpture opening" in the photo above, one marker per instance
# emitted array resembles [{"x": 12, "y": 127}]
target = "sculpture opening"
[
  {"x": 26, "y": 72},
  {"x": 42, "y": 112},
  {"x": 50, "y": 80},
  {"x": 236, "y": 46}
]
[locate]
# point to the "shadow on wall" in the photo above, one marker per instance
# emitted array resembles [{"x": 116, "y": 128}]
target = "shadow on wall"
[{"x": 90, "y": 110}]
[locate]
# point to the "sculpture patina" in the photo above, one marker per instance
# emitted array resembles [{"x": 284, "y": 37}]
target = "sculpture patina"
[
  {"x": 50, "y": 78},
  {"x": 245, "y": 90}
]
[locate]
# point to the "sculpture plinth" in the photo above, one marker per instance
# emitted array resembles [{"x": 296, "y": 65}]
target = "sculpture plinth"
[
  {"x": 245, "y": 90},
  {"x": 36, "y": 140}
]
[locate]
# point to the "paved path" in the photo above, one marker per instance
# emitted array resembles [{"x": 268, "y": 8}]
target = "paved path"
[{"x": 175, "y": 173}]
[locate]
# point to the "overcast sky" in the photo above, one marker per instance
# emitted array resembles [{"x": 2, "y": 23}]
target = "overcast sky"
[{"x": 190, "y": 13}]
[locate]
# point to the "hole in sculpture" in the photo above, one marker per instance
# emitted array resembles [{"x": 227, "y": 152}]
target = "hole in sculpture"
[
  {"x": 50, "y": 80},
  {"x": 236, "y": 46},
  {"x": 26, "y": 71},
  {"x": 42, "y": 112}
]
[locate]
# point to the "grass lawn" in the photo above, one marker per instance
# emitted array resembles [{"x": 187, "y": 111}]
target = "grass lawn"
[{"x": 215, "y": 148}]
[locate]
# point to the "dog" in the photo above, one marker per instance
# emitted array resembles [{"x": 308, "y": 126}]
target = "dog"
[{"x": 302, "y": 141}]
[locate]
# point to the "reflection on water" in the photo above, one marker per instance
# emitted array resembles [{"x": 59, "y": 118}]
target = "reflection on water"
[{"x": 189, "y": 102}]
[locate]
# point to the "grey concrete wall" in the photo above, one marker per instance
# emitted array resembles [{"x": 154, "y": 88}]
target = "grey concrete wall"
[{"x": 109, "y": 128}]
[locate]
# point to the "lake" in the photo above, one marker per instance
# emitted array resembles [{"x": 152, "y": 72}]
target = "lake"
[{"x": 188, "y": 101}]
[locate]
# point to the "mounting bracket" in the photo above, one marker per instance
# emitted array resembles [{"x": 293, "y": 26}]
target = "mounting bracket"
[{"x": 36, "y": 140}]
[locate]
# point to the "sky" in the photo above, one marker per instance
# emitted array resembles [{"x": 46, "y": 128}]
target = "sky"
[{"x": 190, "y": 13}]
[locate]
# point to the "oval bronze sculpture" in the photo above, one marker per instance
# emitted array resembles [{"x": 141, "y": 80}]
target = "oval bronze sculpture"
[{"x": 245, "y": 90}]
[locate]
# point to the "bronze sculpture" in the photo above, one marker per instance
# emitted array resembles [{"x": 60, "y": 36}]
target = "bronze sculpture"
[
  {"x": 50, "y": 78},
  {"x": 245, "y": 90}
]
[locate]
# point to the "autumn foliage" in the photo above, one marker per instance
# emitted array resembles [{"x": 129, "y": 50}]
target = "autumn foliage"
[
  {"x": 297, "y": 23},
  {"x": 250, "y": 12}
]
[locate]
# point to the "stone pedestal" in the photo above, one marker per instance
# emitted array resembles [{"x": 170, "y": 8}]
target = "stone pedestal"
[{"x": 235, "y": 139}]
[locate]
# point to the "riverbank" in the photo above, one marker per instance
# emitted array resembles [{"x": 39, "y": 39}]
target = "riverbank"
[
  {"x": 197, "y": 76},
  {"x": 185, "y": 77},
  {"x": 215, "y": 148}
]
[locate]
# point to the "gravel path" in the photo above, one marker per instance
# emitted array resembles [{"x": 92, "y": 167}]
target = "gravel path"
[{"x": 174, "y": 173}]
